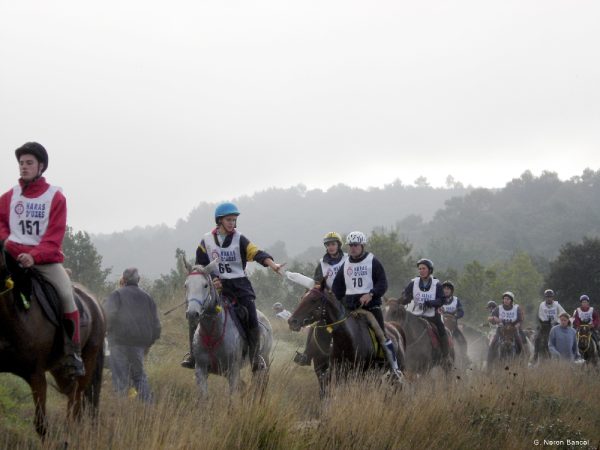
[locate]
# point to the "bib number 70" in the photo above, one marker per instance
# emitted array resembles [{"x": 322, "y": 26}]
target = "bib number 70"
[{"x": 357, "y": 282}]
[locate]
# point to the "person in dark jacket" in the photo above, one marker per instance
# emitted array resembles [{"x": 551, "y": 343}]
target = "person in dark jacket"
[
  {"x": 360, "y": 283},
  {"x": 133, "y": 326},
  {"x": 233, "y": 250},
  {"x": 424, "y": 296}
]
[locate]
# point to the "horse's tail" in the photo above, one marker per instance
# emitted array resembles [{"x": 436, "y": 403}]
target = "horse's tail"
[{"x": 92, "y": 391}]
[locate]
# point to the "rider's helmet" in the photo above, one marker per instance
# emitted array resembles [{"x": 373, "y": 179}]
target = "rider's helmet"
[
  {"x": 332, "y": 236},
  {"x": 426, "y": 262},
  {"x": 448, "y": 284},
  {"x": 35, "y": 149},
  {"x": 509, "y": 295},
  {"x": 356, "y": 237},
  {"x": 226, "y": 209},
  {"x": 491, "y": 304},
  {"x": 584, "y": 297},
  {"x": 548, "y": 293}
]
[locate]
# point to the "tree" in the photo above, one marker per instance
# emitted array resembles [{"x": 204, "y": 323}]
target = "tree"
[
  {"x": 394, "y": 255},
  {"x": 171, "y": 285},
  {"x": 576, "y": 271},
  {"x": 520, "y": 276},
  {"x": 84, "y": 261},
  {"x": 475, "y": 289}
]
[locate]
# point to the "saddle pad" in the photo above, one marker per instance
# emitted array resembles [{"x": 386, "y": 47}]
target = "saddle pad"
[{"x": 378, "y": 348}]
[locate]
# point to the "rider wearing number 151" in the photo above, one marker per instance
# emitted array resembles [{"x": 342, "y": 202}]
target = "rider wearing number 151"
[
  {"x": 33, "y": 221},
  {"x": 234, "y": 250}
]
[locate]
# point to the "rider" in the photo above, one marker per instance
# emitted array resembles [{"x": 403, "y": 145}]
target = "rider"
[
  {"x": 507, "y": 313},
  {"x": 327, "y": 266},
  {"x": 234, "y": 250},
  {"x": 452, "y": 306},
  {"x": 424, "y": 296},
  {"x": 280, "y": 312},
  {"x": 33, "y": 220},
  {"x": 586, "y": 314},
  {"x": 548, "y": 316},
  {"x": 361, "y": 282}
]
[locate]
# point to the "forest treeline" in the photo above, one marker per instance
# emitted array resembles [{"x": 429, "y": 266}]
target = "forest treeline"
[{"x": 453, "y": 225}]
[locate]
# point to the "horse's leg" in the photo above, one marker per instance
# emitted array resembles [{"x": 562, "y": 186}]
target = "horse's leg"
[
  {"x": 202, "y": 381},
  {"x": 38, "y": 385}
]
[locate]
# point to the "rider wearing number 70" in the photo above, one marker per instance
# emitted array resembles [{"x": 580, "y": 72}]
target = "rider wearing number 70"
[{"x": 233, "y": 250}]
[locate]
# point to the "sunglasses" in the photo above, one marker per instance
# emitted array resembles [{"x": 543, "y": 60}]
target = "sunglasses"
[{"x": 354, "y": 245}]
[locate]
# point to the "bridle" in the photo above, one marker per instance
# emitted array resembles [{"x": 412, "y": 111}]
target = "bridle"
[{"x": 212, "y": 293}]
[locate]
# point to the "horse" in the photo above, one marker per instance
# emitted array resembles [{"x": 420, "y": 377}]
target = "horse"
[
  {"x": 352, "y": 348},
  {"x": 318, "y": 349},
  {"x": 451, "y": 324},
  {"x": 541, "y": 341},
  {"x": 218, "y": 346},
  {"x": 586, "y": 344},
  {"x": 30, "y": 346},
  {"x": 421, "y": 352}
]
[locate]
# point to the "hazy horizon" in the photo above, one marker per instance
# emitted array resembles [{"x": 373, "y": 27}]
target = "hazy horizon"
[{"x": 148, "y": 109}]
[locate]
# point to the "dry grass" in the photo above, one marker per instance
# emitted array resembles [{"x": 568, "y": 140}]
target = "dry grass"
[{"x": 508, "y": 409}]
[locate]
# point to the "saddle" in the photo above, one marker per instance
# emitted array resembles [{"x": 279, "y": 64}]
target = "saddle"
[
  {"x": 238, "y": 314},
  {"x": 375, "y": 332},
  {"x": 29, "y": 283}
]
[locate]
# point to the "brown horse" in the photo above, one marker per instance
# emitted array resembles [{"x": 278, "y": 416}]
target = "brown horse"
[
  {"x": 352, "y": 347},
  {"x": 30, "y": 345},
  {"x": 421, "y": 352},
  {"x": 586, "y": 344},
  {"x": 458, "y": 338}
]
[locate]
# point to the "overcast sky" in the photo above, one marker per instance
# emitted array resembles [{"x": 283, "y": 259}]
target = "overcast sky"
[{"x": 149, "y": 107}]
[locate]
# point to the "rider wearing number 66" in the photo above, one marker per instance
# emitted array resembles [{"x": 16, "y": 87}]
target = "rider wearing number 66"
[{"x": 233, "y": 250}]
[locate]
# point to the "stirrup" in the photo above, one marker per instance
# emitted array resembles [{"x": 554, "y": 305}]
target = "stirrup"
[
  {"x": 73, "y": 365},
  {"x": 188, "y": 361},
  {"x": 301, "y": 359}
]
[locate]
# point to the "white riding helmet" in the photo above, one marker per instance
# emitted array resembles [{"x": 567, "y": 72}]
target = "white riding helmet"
[{"x": 356, "y": 237}]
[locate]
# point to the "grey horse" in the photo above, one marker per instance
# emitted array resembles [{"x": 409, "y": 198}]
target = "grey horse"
[{"x": 218, "y": 346}]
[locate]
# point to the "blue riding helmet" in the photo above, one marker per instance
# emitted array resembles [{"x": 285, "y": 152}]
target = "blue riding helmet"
[{"x": 226, "y": 209}]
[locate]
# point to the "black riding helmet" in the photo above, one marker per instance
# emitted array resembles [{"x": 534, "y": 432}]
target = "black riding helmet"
[
  {"x": 35, "y": 149},
  {"x": 448, "y": 284}
]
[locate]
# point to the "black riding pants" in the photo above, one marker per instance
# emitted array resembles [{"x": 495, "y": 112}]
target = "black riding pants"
[
  {"x": 247, "y": 301},
  {"x": 439, "y": 324}
]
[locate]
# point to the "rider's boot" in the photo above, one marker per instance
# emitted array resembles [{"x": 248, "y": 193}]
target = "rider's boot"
[
  {"x": 303, "y": 359},
  {"x": 72, "y": 362},
  {"x": 188, "y": 360},
  {"x": 257, "y": 361},
  {"x": 390, "y": 354}
]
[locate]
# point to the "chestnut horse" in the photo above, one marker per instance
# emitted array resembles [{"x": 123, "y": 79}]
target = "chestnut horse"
[
  {"x": 30, "y": 345},
  {"x": 352, "y": 347}
]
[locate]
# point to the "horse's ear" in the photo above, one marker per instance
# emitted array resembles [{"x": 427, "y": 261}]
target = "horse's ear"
[
  {"x": 323, "y": 284},
  {"x": 186, "y": 264},
  {"x": 210, "y": 266}
]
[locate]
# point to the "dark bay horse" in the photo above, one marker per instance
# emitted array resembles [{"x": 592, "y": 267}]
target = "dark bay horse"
[
  {"x": 586, "y": 344},
  {"x": 421, "y": 352},
  {"x": 30, "y": 345},
  {"x": 352, "y": 347},
  {"x": 458, "y": 339}
]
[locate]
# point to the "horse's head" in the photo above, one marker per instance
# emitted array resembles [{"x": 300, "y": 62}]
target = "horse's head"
[
  {"x": 451, "y": 322},
  {"x": 395, "y": 310},
  {"x": 310, "y": 308},
  {"x": 200, "y": 292},
  {"x": 584, "y": 334}
]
